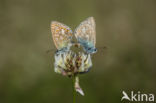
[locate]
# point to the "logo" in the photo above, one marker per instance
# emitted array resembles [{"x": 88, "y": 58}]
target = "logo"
[{"x": 138, "y": 96}]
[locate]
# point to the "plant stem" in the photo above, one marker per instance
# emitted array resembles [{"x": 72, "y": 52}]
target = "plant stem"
[{"x": 74, "y": 92}]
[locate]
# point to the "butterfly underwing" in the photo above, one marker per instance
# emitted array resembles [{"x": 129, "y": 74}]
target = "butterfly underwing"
[
  {"x": 62, "y": 36},
  {"x": 85, "y": 34}
]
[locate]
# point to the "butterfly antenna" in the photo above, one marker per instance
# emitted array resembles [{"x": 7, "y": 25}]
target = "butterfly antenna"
[{"x": 50, "y": 50}]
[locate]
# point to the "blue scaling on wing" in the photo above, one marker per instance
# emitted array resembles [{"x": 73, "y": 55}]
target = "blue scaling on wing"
[
  {"x": 62, "y": 36},
  {"x": 87, "y": 46},
  {"x": 85, "y": 34}
]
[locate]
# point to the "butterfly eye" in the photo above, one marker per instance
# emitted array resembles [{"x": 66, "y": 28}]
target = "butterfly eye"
[{"x": 95, "y": 49}]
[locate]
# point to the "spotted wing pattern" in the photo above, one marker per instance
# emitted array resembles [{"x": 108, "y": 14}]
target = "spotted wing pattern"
[
  {"x": 62, "y": 35},
  {"x": 86, "y": 33}
]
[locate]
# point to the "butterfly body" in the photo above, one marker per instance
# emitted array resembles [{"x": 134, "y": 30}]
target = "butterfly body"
[{"x": 61, "y": 51}]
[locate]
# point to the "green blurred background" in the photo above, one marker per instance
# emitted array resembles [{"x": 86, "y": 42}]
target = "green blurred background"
[{"x": 126, "y": 27}]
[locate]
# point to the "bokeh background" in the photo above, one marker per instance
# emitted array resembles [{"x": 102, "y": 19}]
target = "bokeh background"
[{"x": 126, "y": 27}]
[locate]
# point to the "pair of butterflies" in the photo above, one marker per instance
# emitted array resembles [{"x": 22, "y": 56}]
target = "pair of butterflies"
[{"x": 85, "y": 34}]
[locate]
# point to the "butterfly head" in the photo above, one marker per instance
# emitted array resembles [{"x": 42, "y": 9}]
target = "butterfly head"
[
  {"x": 90, "y": 50},
  {"x": 64, "y": 49}
]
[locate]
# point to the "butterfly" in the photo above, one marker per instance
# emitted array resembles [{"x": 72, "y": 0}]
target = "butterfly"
[
  {"x": 62, "y": 36},
  {"x": 85, "y": 34}
]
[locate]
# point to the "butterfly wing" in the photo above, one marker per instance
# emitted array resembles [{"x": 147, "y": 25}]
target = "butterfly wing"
[
  {"x": 86, "y": 33},
  {"x": 62, "y": 35}
]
